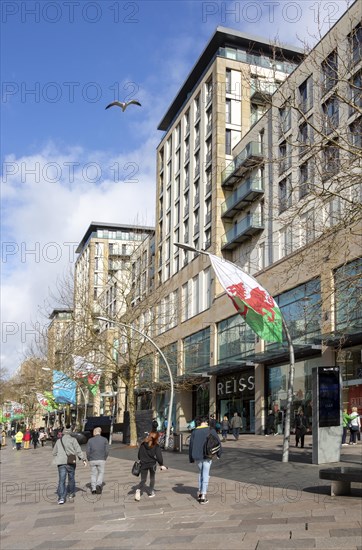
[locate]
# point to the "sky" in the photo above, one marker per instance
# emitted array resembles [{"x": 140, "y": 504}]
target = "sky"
[{"x": 65, "y": 160}]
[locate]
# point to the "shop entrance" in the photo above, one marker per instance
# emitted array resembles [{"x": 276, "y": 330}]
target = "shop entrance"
[
  {"x": 236, "y": 393},
  {"x": 245, "y": 408}
]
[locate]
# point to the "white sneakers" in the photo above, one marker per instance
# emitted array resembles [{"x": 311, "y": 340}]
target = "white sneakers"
[{"x": 137, "y": 495}]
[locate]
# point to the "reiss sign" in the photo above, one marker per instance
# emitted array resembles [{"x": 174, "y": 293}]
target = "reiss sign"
[{"x": 239, "y": 384}]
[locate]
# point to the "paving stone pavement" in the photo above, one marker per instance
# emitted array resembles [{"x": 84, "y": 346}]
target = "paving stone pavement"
[{"x": 256, "y": 502}]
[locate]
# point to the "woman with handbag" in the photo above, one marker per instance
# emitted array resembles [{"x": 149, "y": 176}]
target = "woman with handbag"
[
  {"x": 149, "y": 454},
  {"x": 354, "y": 425},
  {"x": 65, "y": 452}
]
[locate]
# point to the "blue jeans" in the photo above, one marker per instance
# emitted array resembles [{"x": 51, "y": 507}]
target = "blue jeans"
[
  {"x": 236, "y": 432},
  {"x": 204, "y": 475},
  {"x": 63, "y": 471}
]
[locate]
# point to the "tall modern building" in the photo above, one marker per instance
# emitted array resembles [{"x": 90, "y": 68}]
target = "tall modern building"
[
  {"x": 101, "y": 283},
  {"x": 228, "y": 89},
  {"x": 257, "y": 146}
]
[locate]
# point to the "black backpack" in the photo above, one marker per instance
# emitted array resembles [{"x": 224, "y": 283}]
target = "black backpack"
[{"x": 211, "y": 446}]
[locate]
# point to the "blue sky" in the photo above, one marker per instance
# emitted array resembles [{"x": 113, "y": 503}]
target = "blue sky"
[{"x": 66, "y": 161}]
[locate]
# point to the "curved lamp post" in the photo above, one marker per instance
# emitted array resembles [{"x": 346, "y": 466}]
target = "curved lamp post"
[{"x": 172, "y": 391}]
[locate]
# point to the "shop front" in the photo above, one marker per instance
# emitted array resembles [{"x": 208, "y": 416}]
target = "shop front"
[{"x": 235, "y": 392}]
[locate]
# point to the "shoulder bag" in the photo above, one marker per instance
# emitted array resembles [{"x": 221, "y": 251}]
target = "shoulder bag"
[
  {"x": 71, "y": 459},
  {"x": 136, "y": 468}
]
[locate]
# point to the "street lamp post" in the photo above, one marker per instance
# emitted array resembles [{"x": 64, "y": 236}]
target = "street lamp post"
[{"x": 169, "y": 416}]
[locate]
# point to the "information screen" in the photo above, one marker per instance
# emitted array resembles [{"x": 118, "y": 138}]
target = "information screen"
[{"x": 329, "y": 393}]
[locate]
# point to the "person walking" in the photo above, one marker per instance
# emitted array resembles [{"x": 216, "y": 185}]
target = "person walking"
[
  {"x": 27, "y": 438},
  {"x": 12, "y": 435},
  {"x": 270, "y": 424},
  {"x": 354, "y": 425},
  {"x": 65, "y": 446},
  {"x": 225, "y": 426},
  {"x": 18, "y": 439},
  {"x": 236, "y": 424},
  {"x": 35, "y": 438},
  {"x": 345, "y": 421},
  {"x": 97, "y": 454},
  {"x": 149, "y": 454},
  {"x": 301, "y": 427},
  {"x": 196, "y": 454}
]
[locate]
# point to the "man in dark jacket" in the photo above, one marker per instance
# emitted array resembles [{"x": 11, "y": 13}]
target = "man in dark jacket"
[
  {"x": 196, "y": 454},
  {"x": 97, "y": 454}
]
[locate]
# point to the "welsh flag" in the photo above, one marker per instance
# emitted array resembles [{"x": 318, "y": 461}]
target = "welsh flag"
[
  {"x": 46, "y": 400},
  {"x": 87, "y": 372},
  {"x": 251, "y": 300}
]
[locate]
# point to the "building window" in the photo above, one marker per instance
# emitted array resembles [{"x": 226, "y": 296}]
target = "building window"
[
  {"x": 285, "y": 158},
  {"x": 227, "y": 142},
  {"x": 187, "y": 122},
  {"x": 196, "y": 351},
  {"x": 306, "y": 95},
  {"x": 285, "y": 119},
  {"x": 348, "y": 295},
  {"x": 178, "y": 134},
  {"x": 355, "y": 42},
  {"x": 355, "y": 133},
  {"x": 286, "y": 241},
  {"x": 235, "y": 339},
  {"x": 285, "y": 194},
  {"x": 228, "y": 81},
  {"x": 305, "y": 136},
  {"x": 330, "y": 71},
  {"x": 228, "y": 111},
  {"x": 308, "y": 227},
  {"x": 355, "y": 86},
  {"x": 207, "y": 242},
  {"x": 330, "y": 114},
  {"x": 301, "y": 308},
  {"x": 197, "y": 108},
  {"x": 305, "y": 177},
  {"x": 330, "y": 160}
]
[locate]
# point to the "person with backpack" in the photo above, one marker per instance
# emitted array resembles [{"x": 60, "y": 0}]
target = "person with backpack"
[{"x": 204, "y": 446}]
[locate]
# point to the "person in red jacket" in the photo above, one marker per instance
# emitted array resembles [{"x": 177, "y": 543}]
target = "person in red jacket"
[
  {"x": 27, "y": 439},
  {"x": 149, "y": 454}
]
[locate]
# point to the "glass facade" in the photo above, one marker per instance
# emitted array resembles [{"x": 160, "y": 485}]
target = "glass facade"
[
  {"x": 196, "y": 351},
  {"x": 170, "y": 352},
  {"x": 235, "y": 392},
  {"x": 348, "y": 289},
  {"x": 301, "y": 308},
  {"x": 277, "y": 388},
  {"x": 235, "y": 339}
]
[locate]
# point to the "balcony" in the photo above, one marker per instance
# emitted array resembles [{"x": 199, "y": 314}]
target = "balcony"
[
  {"x": 242, "y": 231},
  {"x": 260, "y": 91},
  {"x": 251, "y": 156},
  {"x": 247, "y": 192}
]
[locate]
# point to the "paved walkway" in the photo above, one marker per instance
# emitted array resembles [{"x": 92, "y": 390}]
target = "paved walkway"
[{"x": 255, "y": 502}]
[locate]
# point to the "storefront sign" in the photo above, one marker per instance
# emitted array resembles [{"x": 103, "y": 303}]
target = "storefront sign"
[{"x": 243, "y": 383}]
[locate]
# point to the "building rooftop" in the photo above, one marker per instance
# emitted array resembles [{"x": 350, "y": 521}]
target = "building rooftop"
[
  {"x": 226, "y": 37},
  {"x": 94, "y": 226}
]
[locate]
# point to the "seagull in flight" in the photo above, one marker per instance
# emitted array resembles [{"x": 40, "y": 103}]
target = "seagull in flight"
[{"x": 124, "y": 104}]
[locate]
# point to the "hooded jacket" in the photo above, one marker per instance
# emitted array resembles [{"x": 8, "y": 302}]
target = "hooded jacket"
[{"x": 149, "y": 456}]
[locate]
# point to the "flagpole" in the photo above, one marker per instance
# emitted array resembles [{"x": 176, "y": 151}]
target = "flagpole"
[{"x": 286, "y": 441}]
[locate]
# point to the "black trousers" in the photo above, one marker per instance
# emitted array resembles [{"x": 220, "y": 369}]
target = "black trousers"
[{"x": 144, "y": 473}]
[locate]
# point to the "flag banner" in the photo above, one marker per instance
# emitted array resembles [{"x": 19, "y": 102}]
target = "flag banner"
[
  {"x": 64, "y": 388},
  {"x": 53, "y": 405},
  {"x": 46, "y": 400},
  {"x": 87, "y": 372},
  {"x": 250, "y": 299}
]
